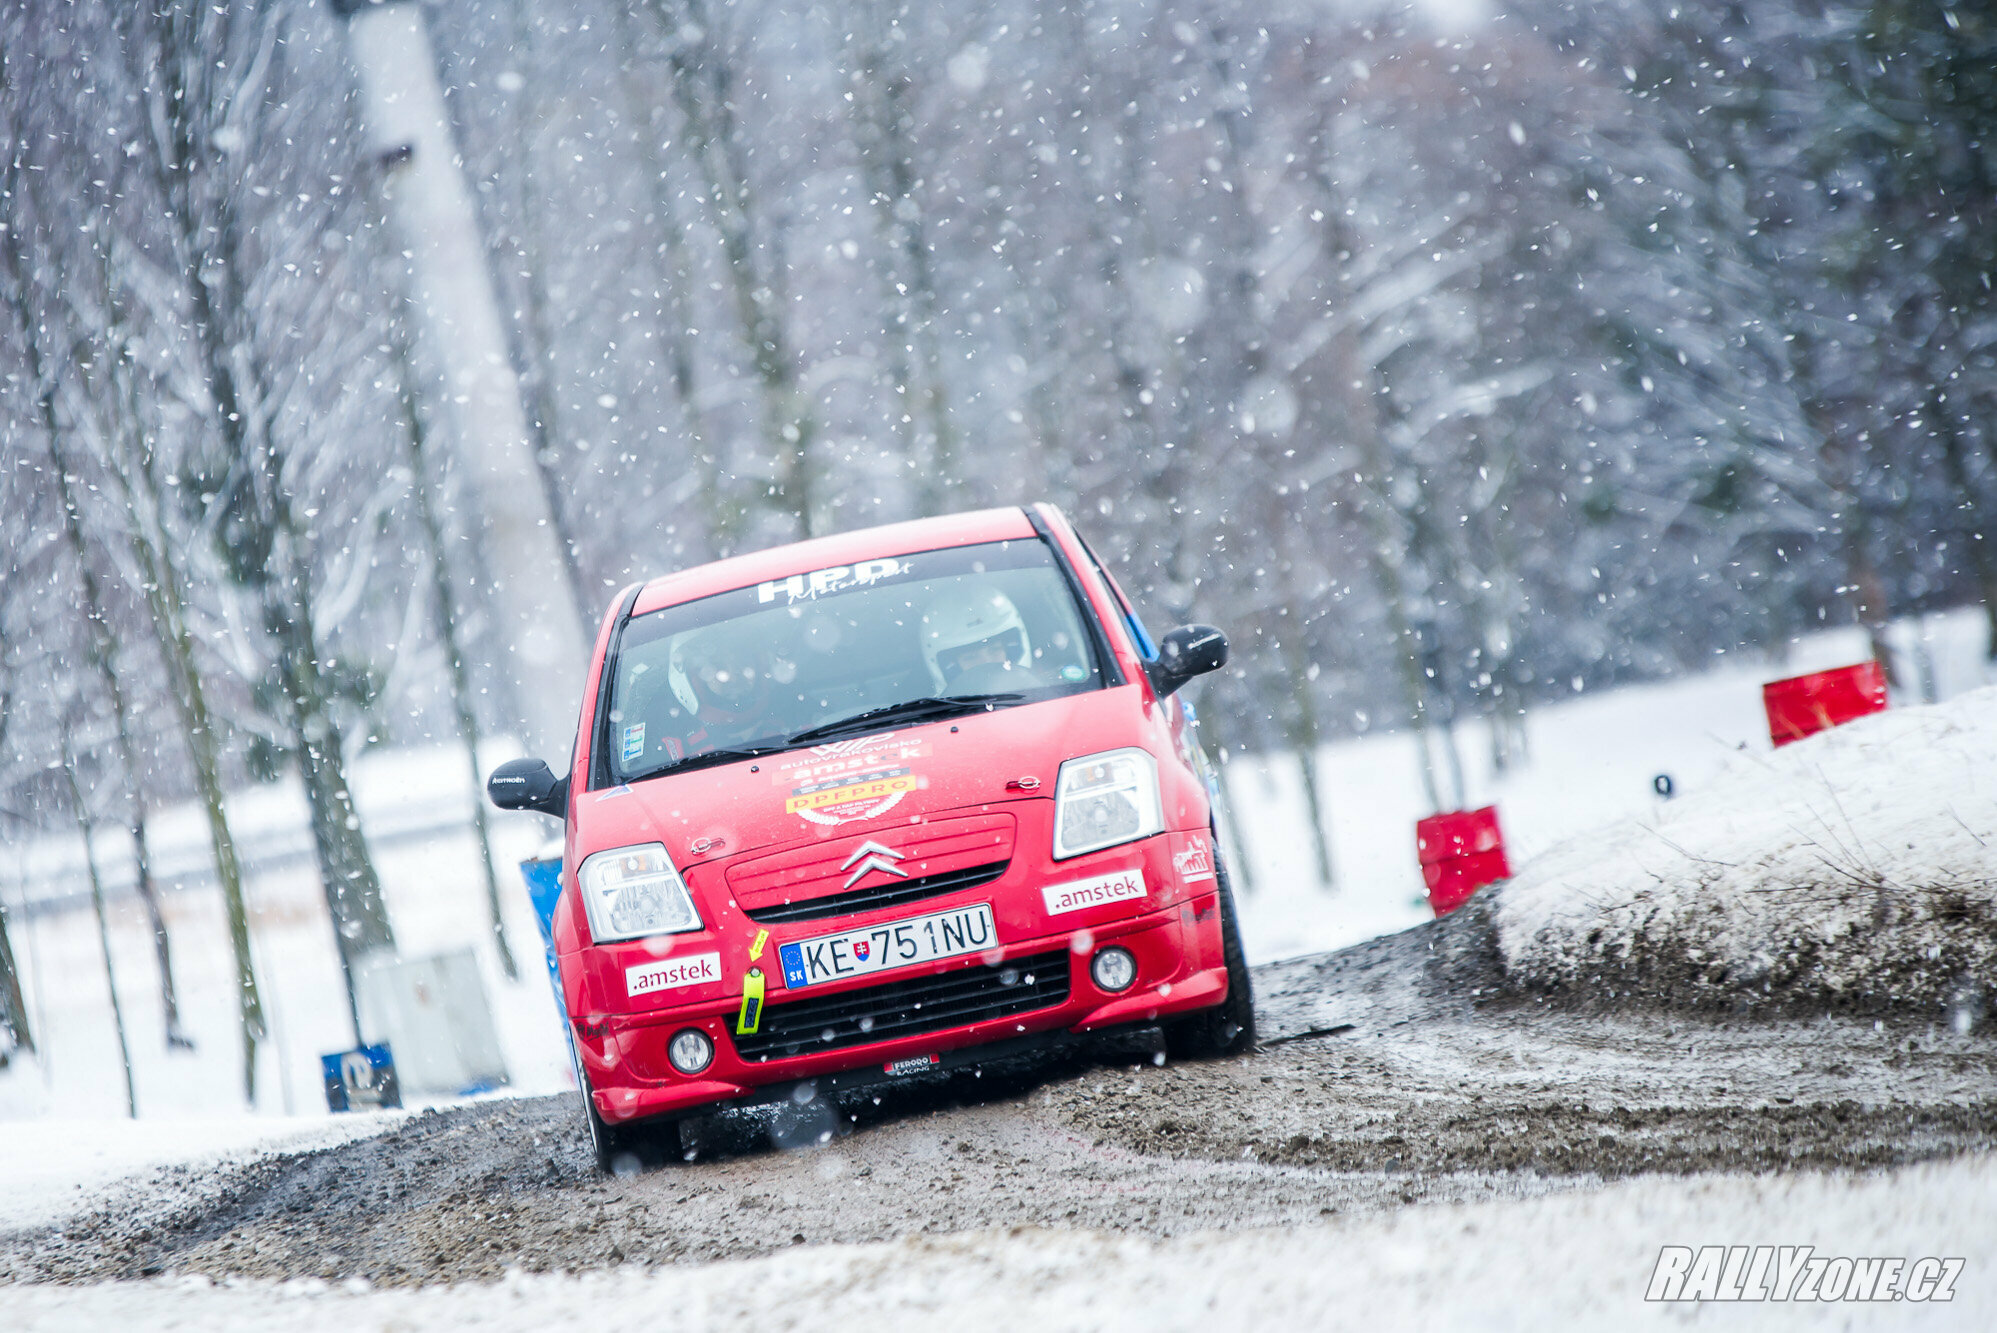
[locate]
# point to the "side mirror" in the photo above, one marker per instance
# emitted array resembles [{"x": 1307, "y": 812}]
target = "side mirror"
[
  {"x": 1188, "y": 651},
  {"x": 526, "y": 784}
]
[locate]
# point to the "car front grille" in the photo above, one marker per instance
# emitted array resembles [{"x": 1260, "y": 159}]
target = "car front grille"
[
  {"x": 879, "y": 895},
  {"x": 908, "y": 1008}
]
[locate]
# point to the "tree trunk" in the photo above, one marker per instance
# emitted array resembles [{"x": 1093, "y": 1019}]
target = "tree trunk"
[
  {"x": 163, "y": 600},
  {"x": 447, "y": 632},
  {"x": 534, "y": 363},
  {"x": 346, "y": 871},
  {"x": 102, "y": 654},
  {"x": 1979, "y": 541},
  {"x": 13, "y": 1005},
  {"x": 721, "y": 508},
  {"x": 540, "y": 626},
  {"x": 102, "y": 649},
  {"x": 700, "y": 84},
  {"x": 1305, "y": 736},
  {"x": 257, "y": 538},
  {"x": 87, "y": 826},
  {"x": 886, "y": 131}
]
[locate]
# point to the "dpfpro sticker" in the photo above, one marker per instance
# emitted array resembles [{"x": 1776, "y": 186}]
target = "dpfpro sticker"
[
  {"x": 1120, "y": 886},
  {"x": 847, "y": 781},
  {"x": 672, "y": 974},
  {"x": 634, "y": 742}
]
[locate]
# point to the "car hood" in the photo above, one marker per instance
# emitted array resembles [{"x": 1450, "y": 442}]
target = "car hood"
[{"x": 877, "y": 781}]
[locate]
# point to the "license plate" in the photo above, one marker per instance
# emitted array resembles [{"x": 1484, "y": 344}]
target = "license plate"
[{"x": 856, "y": 953}]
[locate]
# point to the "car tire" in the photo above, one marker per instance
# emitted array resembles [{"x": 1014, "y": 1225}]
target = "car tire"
[
  {"x": 1229, "y": 1027},
  {"x": 623, "y": 1148}
]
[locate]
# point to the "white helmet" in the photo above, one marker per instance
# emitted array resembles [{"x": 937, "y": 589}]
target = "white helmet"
[
  {"x": 717, "y": 669},
  {"x": 958, "y": 634}
]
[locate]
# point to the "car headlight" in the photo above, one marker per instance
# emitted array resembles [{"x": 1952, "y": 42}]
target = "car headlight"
[
  {"x": 1104, "y": 799},
  {"x": 635, "y": 891}
]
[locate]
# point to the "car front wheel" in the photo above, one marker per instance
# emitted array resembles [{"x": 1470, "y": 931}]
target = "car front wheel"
[
  {"x": 1229, "y": 1027},
  {"x": 622, "y": 1149}
]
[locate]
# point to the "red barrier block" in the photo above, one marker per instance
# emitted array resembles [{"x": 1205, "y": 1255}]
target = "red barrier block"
[
  {"x": 1451, "y": 883},
  {"x": 1805, "y": 705},
  {"x": 1460, "y": 851},
  {"x": 1458, "y": 833}
]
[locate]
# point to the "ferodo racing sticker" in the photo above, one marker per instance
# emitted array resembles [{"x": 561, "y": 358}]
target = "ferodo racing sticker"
[
  {"x": 914, "y": 1064},
  {"x": 1118, "y": 886},
  {"x": 672, "y": 974},
  {"x": 847, "y": 781}
]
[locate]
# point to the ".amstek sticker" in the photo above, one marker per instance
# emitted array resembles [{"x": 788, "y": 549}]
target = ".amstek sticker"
[
  {"x": 1118, "y": 886},
  {"x": 672, "y": 974}
]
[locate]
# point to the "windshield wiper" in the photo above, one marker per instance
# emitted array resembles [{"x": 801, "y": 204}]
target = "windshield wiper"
[
  {"x": 908, "y": 710},
  {"x": 709, "y": 758}
]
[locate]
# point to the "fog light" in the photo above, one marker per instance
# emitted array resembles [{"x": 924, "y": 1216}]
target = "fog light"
[
  {"x": 690, "y": 1051},
  {"x": 1114, "y": 969}
]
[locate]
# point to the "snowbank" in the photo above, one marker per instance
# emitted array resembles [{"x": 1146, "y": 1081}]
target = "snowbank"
[{"x": 1856, "y": 869}]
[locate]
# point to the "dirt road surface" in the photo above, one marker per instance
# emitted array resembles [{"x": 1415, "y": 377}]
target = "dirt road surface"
[{"x": 1390, "y": 1075}]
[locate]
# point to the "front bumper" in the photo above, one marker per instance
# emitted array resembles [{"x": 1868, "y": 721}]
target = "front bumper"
[{"x": 1180, "y": 970}]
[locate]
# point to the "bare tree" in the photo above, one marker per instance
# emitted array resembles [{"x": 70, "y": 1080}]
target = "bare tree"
[{"x": 206, "y": 78}]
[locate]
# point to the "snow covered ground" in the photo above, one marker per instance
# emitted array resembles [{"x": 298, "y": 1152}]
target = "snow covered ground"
[
  {"x": 1592, "y": 762},
  {"x": 53, "y": 1166},
  {"x": 1593, "y": 759},
  {"x": 1577, "y": 1260},
  {"x": 1853, "y": 864}
]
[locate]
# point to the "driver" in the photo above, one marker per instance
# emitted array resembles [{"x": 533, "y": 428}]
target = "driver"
[
  {"x": 977, "y": 645},
  {"x": 723, "y": 678}
]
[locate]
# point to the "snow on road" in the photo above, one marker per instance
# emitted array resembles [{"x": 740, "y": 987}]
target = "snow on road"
[{"x": 1580, "y": 1260}]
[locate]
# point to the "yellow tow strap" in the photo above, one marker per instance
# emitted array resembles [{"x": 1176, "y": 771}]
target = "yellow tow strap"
[{"x": 752, "y": 1001}]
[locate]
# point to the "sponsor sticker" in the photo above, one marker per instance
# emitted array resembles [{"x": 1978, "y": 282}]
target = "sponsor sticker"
[
  {"x": 1119, "y": 886},
  {"x": 834, "y": 578},
  {"x": 634, "y": 742},
  {"x": 1194, "y": 863},
  {"x": 847, "y": 781},
  {"x": 914, "y": 1064},
  {"x": 672, "y": 974}
]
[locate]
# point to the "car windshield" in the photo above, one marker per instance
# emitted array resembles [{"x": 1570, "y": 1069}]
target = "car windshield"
[{"x": 845, "y": 650}]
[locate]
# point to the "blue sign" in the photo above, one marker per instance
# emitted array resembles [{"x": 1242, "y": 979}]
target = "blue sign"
[{"x": 361, "y": 1080}]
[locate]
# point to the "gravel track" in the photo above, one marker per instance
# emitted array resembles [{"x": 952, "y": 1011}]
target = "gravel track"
[{"x": 1391, "y": 1074}]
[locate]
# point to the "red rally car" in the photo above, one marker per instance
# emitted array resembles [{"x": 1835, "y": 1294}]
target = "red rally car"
[{"x": 877, "y": 805}]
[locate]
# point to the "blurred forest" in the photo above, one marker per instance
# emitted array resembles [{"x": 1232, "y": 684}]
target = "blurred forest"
[{"x": 1450, "y": 356}]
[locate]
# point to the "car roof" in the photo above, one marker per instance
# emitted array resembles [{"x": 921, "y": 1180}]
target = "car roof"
[{"x": 922, "y": 534}]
